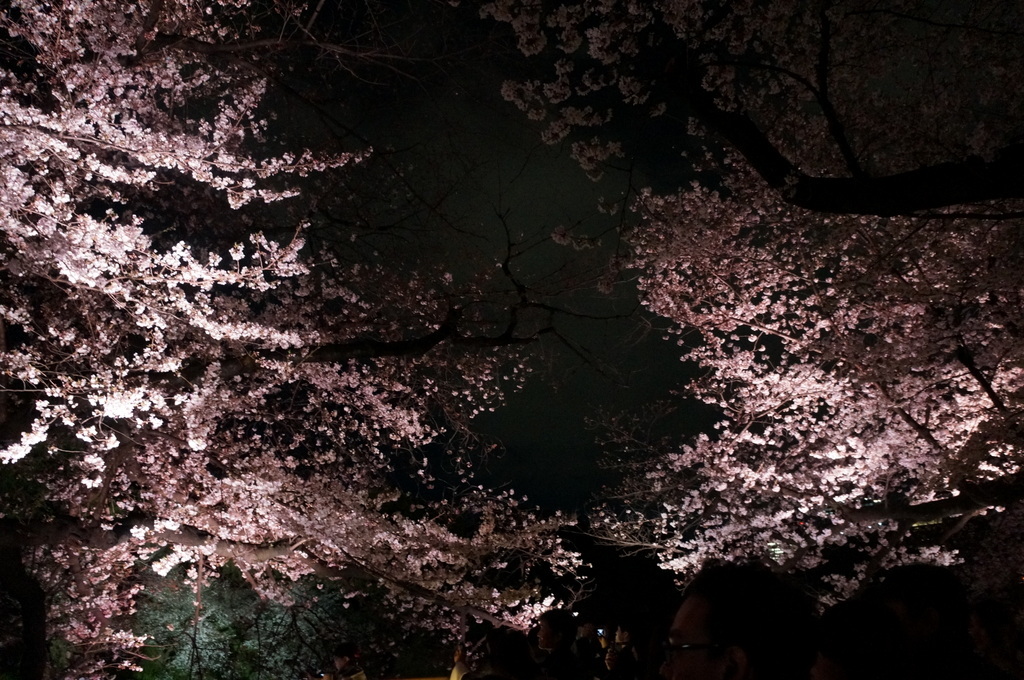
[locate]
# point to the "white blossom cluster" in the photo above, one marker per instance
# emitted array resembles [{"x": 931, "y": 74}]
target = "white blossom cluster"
[{"x": 857, "y": 363}]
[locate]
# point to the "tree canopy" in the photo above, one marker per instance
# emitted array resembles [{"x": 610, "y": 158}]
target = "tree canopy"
[
  {"x": 225, "y": 355},
  {"x": 841, "y": 263},
  {"x": 209, "y": 356}
]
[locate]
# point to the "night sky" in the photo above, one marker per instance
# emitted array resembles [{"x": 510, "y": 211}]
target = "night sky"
[{"x": 550, "y": 453}]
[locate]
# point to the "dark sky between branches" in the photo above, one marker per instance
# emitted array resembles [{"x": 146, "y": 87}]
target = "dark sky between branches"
[
  {"x": 517, "y": 181},
  {"x": 550, "y": 451}
]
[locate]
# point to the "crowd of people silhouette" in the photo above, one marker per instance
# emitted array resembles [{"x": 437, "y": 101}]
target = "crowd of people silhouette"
[{"x": 745, "y": 622}]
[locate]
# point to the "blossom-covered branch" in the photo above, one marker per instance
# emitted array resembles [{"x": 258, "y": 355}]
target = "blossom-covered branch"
[{"x": 193, "y": 379}]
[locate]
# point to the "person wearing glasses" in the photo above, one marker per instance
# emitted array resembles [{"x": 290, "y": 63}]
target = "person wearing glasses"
[{"x": 740, "y": 622}]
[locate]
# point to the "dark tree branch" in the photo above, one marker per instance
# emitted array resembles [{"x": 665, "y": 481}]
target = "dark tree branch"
[
  {"x": 959, "y": 525},
  {"x": 366, "y": 349},
  {"x": 378, "y": 57},
  {"x": 939, "y": 24},
  {"x": 835, "y": 126},
  {"x": 149, "y": 24},
  {"x": 429, "y": 595},
  {"x": 922, "y": 512},
  {"x": 973, "y": 498},
  {"x": 447, "y": 331},
  {"x": 972, "y": 180},
  {"x": 956, "y": 215},
  {"x": 923, "y": 432},
  {"x": 965, "y": 357}
]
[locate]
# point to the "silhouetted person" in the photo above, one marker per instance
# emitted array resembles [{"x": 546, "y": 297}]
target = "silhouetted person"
[
  {"x": 996, "y": 637},
  {"x": 345, "y": 664},
  {"x": 931, "y": 605},
  {"x": 859, "y": 640},
  {"x": 506, "y": 657},
  {"x": 621, "y": 659},
  {"x": 740, "y": 622},
  {"x": 588, "y": 650},
  {"x": 556, "y": 632}
]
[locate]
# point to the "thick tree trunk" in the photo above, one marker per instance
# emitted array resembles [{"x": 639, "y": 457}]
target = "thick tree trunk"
[{"x": 29, "y": 595}]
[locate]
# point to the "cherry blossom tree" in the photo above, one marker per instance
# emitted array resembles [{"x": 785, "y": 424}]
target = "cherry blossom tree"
[
  {"x": 194, "y": 374},
  {"x": 866, "y": 370},
  {"x": 841, "y": 264}
]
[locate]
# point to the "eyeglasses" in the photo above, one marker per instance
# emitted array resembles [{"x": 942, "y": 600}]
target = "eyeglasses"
[{"x": 671, "y": 649}]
